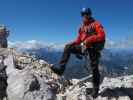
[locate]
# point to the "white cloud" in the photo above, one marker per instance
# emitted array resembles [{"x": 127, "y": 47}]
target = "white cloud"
[{"x": 34, "y": 44}]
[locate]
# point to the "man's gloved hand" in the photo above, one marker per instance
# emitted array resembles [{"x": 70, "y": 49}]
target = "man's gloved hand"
[{"x": 85, "y": 45}]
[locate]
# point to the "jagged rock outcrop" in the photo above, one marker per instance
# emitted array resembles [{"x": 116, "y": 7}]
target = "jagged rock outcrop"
[{"x": 27, "y": 78}]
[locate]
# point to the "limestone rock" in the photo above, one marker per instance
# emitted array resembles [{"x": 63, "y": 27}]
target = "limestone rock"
[{"x": 30, "y": 78}]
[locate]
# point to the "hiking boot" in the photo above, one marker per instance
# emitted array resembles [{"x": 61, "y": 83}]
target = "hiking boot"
[
  {"x": 58, "y": 71},
  {"x": 94, "y": 93}
]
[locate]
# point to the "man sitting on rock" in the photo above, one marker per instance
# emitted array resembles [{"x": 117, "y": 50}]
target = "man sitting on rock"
[
  {"x": 91, "y": 38},
  {"x": 4, "y": 33}
]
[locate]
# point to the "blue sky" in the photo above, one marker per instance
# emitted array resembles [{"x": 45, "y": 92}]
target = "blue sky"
[{"x": 58, "y": 20}]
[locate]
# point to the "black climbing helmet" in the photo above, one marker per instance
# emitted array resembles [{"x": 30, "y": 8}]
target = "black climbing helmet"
[{"x": 86, "y": 11}]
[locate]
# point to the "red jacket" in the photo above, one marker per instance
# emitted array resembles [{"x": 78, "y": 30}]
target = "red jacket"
[{"x": 92, "y": 32}]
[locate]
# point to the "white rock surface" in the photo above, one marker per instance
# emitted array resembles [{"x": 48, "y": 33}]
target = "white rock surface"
[
  {"x": 29, "y": 79},
  {"x": 120, "y": 88},
  {"x": 29, "y": 83}
]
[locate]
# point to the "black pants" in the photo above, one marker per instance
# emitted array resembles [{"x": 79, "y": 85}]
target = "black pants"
[{"x": 94, "y": 60}]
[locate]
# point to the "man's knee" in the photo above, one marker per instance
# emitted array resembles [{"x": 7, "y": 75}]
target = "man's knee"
[{"x": 68, "y": 47}]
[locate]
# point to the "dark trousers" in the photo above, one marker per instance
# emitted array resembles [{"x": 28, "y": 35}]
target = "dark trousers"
[{"x": 94, "y": 60}]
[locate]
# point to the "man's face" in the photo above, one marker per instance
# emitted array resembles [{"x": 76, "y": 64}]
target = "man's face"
[{"x": 85, "y": 18}]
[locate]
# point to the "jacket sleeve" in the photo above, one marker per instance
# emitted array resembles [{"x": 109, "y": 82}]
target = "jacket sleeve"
[
  {"x": 78, "y": 39},
  {"x": 99, "y": 36}
]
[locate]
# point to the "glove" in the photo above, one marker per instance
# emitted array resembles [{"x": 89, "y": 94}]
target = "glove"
[{"x": 83, "y": 48}]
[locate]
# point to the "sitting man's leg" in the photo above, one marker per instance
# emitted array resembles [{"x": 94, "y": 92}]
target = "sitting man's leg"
[
  {"x": 65, "y": 57},
  {"x": 94, "y": 57}
]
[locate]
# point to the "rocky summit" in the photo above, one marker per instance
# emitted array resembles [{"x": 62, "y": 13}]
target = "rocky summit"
[{"x": 23, "y": 77}]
